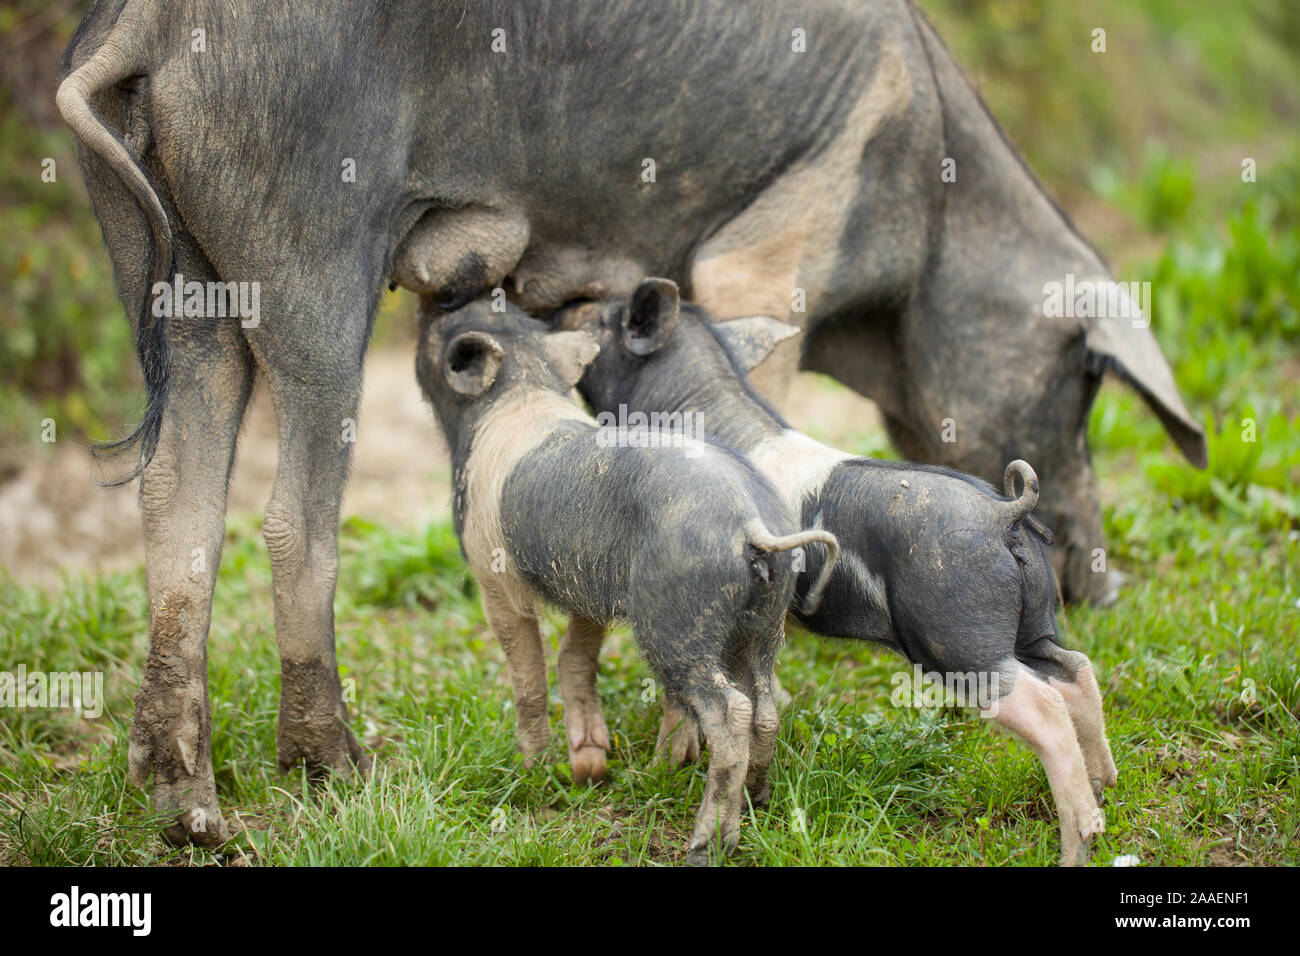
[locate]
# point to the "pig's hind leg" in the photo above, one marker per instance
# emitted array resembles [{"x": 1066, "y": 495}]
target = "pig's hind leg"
[
  {"x": 679, "y": 733},
  {"x": 584, "y": 724},
  {"x": 726, "y": 717},
  {"x": 767, "y": 721},
  {"x": 1035, "y": 711},
  {"x": 183, "y": 504},
  {"x": 1070, "y": 673}
]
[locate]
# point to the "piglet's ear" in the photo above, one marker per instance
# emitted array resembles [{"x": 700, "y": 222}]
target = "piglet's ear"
[
  {"x": 750, "y": 340},
  {"x": 569, "y": 353},
  {"x": 651, "y": 316},
  {"x": 471, "y": 362}
]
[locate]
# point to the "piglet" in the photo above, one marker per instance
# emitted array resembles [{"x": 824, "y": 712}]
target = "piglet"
[
  {"x": 936, "y": 564},
  {"x": 685, "y": 541}
]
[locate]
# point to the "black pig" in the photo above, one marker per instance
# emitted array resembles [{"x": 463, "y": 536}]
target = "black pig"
[
  {"x": 685, "y": 540},
  {"x": 936, "y": 564}
]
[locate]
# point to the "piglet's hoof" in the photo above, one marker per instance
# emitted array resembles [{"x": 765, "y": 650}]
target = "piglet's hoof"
[
  {"x": 710, "y": 854},
  {"x": 588, "y": 764},
  {"x": 699, "y": 856},
  {"x": 1093, "y": 823}
]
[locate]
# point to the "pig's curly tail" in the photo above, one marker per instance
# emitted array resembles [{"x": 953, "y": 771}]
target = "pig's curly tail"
[{"x": 1021, "y": 506}]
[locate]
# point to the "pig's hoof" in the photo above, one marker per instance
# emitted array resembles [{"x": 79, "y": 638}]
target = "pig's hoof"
[
  {"x": 708, "y": 853},
  {"x": 192, "y": 806},
  {"x": 588, "y": 764},
  {"x": 1101, "y": 784},
  {"x": 201, "y": 825},
  {"x": 533, "y": 747},
  {"x": 680, "y": 746},
  {"x": 169, "y": 752},
  {"x": 1094, "y": 823},
  {"x": 702, "y": 854},
  {"x": 534, "y": 754},
  {"x": 325, "y": 746},
  {"x": 1112, "y": 774}
]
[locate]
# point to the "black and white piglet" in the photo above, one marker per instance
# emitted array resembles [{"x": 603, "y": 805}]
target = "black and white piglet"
[
  {"x": 686, "y": 541},
  {"x": 935, "y": 563}
]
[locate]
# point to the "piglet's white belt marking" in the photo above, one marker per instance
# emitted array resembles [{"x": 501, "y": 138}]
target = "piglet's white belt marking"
[
  {"x": 797, "y": 465},
  {"x": 519, "y": 421}
]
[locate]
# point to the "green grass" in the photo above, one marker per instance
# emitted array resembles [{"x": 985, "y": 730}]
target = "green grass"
[{"x": 1209, "y": 770}]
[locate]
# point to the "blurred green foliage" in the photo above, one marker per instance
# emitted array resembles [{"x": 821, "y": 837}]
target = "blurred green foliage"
[
  {"x": 425, "y": 570},
  {"x": 1248, "y": 476},
  {"x": 1200, "y": 77},
  {"x": 1160, "y": 197},
  {"x": 1226, "y": 309}
]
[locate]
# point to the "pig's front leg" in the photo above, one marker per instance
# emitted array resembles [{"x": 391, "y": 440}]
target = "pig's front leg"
[
  {"x": 679, "y": 734},
  {"x": 521, "y": 639},
  {"x": 584, "y": 724}
]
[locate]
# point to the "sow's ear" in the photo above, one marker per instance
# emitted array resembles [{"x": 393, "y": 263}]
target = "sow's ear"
[
  {"x": 471, "y": 362},
  {"x": 1134, "y": 355},
  {"x": 651, "y": 316},
  {"x": 751, "y": 339},
  {"x": 569, "y": 353}
]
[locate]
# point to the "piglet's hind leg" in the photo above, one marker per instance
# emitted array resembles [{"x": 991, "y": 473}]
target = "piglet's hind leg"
[
  {"x": 1083, "y": 701},
  {"x": 1036, "y": 712},
  {"x": 726, "y": 716},
  {"x": 767, "y": 721}
]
